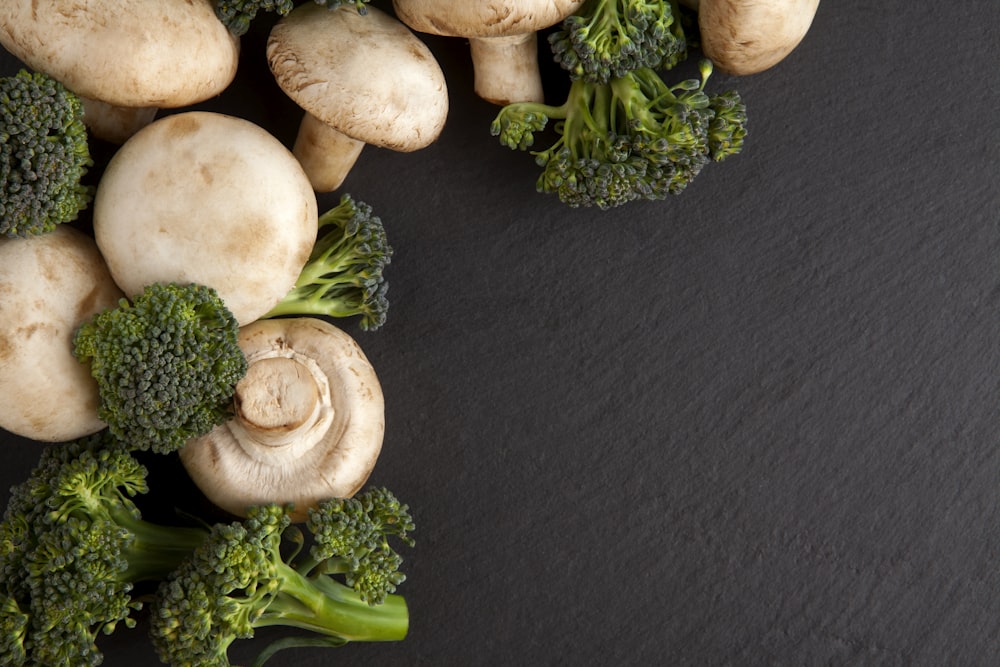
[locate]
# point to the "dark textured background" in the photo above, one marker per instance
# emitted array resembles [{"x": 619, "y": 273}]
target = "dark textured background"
[{"x": 754, "y": 424}]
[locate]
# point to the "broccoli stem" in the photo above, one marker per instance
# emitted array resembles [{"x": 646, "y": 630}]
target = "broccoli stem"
[
  {"x": 325, "y": 606},
  {"x": 156, "y": 550}
]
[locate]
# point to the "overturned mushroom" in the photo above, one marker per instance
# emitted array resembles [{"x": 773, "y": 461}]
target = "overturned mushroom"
[
  {"x": 502, "y": 38},
  {"x": 125, "y": 58},
  {"x": 323, "y": 58},
  {"x": 743, "y": 37},
  {"x": 201, "y": 197},
  {"x": 308, "y": 425},
  {"x": 50, "y": 284}
]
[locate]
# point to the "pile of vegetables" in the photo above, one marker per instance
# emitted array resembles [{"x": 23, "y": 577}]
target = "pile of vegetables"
[{"x": 145, "y": 344}]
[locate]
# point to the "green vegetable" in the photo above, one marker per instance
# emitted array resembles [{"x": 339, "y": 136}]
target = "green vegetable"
[
  {"x": 44, "y": 155},
  {"x": 239, "y": 580},
  {"x": 237, "y": 15},
  {"x": 610, "y": 38},
  {"x": 633, "y": 137},
  {"x": 73, "y": 546},
  {"x": 166, "y": 364},
  {"x": 343, "y": 276}
]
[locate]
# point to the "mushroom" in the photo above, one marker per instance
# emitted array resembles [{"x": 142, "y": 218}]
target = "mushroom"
[
  {"x": 203, "y": 197},
  {"x": 308, "y": 425},
  {"x": 743, "y": 37},
  {"x": 361, "y": 79},
  {"x": 502, "y": 39},
  {"x": 125, "y": 58},
  {"x": 50, "y": 284}
]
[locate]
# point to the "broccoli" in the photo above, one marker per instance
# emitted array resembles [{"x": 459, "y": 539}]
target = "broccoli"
[
  {"x": 238, "y": 14},
  {"x": 240, "y": 579},
  {"x": 44, "y": 155},
  {"x": 73, "y": 548},
  {"x": 609, "y": 38},
  {"x": 166, "y": 364},
  {"x": 344, "y": 273},
  {"x": 633, "y": 137}
]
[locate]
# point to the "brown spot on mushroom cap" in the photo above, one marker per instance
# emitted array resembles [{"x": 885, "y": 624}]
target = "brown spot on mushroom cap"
[
  {"x": 483, "y": 18},
  {"x": 323, "y": 60},
  {"x": 130, "y": 53}
]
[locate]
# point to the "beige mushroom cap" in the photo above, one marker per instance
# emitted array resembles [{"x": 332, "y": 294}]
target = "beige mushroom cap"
[
  {"x": 743, "y": 37},
  {"x": 202, "y": 197},
  {"x": 49, "y": 285},
  {"x": 483, "y": 18},
  {"x": 367, "y": 76},
  {"x": 310, "y": 418},
  {"x": 129, "y": 53}
]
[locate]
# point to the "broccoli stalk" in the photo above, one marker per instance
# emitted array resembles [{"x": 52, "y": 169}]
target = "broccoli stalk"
[
  {"x": 166, "y": 364},
  {"x": 632, "y": 137},
  {"x": 73, "y": 545},
  {"x": 240, "y": 579},
  {"x": 44, "y": 155},
  {"x": 609, "y": 38},
  {"x": 343, "y": 276}
]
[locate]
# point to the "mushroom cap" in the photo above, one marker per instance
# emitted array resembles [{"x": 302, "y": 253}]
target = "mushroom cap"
[
  {"x": 202, "y": 197},
  {"x": 130, "y": 53},
  {"x": 743, "y": 37},
  {"x": 483, "y": 18},
  {"x": 369, "y": 77},
  {"x": 49, "y": 285},
  {"x": 333, "y": 460}
]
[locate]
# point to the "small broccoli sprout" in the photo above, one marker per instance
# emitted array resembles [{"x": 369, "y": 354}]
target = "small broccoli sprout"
[
  {"x": 237, "y": 15},
  {"x": 241, "y": 579},
  {"x": 609, "y": 38},
  {"x": 44, "y": 155},
  {"x": 632, "y": 138},
  {"x": 166, "y": 364},
  {"x": 344, "y": 274}
]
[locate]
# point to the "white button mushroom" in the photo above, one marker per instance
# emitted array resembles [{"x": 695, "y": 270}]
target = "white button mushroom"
[
  {"x": 309, "y": 421},
  {"x": 743, "y": 37},
  {"x": 202, "y": 197},
  {"x": 323, "y": 60},
  {"x": 50, "y": 284},
  {"x": 125, "y": 58},
  {"x": 502, "y": 39}
]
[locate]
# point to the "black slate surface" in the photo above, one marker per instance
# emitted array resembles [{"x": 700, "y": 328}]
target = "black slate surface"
[{"x": 755, "y": 424}]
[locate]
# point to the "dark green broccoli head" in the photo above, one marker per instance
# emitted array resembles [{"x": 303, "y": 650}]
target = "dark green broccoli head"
[
  {"x": 44, "y": 155},
  {"x": 344, "y": 275},
  {"x": 166, "y": 364},
  {"x": 609, "y": 38},
  {"x": 237, "y": 15}
]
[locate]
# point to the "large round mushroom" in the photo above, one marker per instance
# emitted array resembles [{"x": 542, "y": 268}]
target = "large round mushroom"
[
  {"x": 309, "y": 421},
  {"x": 125, "y": 58},
  {"x": 203, "y": 197},
  {"x": 361, "y": 79},
  {"x": 502, "y": 36}
]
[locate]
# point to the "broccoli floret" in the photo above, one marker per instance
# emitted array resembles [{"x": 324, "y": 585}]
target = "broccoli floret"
[
  {"x": 166, "y": 364},
  {"x": 73, "y": 546},
  {"x": 609, "y": 38},
  {"x": 633, "y": 137},
  {"x": 237, "y": 15},
  {"x": 245, "y": 577},
  {"x": 343, "y": 276},
  {"x": 44, "y": 155}
]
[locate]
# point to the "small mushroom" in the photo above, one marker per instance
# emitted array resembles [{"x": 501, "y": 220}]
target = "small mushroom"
[
  {"x": 50, "y": 284},
  {"x": 502, "y": 36},
  {"x": 361, "y": 79},
  {"x": 743, "y": 37},
  {"x": 202, "y": 197},
  {"x": 308, "y": 425},
  {"x": 125, "y": 58}
]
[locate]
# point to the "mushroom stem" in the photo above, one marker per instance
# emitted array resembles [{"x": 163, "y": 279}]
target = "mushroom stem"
[
  {"x": 114, "y": 123},
  {"x": 506, "y": 68},
  {"x": 326, "y": 155},
  {"x": 283, "y": 405}
]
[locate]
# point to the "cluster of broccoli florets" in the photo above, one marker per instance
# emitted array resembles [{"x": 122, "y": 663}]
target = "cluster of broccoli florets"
[
  {"x": 44, "y": 155},
  {"x": 77, "y": 561},
  {"x": 237, "y": 15},
  {"x": 623, "y": 133}
]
